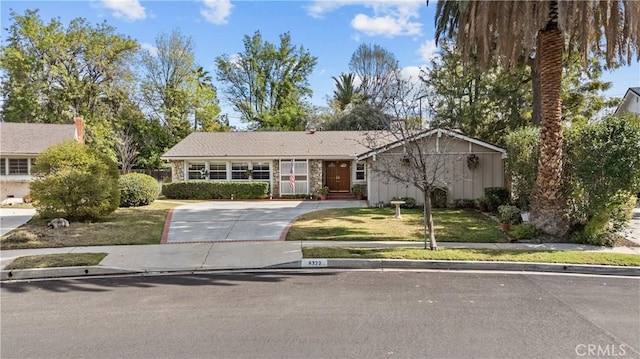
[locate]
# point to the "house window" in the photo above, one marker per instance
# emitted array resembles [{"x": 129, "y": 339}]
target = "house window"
[
  {"x": 260, "y": 170},
  {"x": 300, "y": 174},
  {"x": 18, "y": 166},
  {"x": 239, "y": 171},
  {"x": 360, "y": 172},
  {"x": 3, "y": 166},
  {"x": 217, "y": 171},
  {"x": 197, "y": 171}
]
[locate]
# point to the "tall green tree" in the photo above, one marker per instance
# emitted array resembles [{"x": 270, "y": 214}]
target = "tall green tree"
[
  {"x": 206, "y": 110},
  {"x": 268, "y": 84},
  {"x": 167, "y": 81},
  {"x": 509, "y": 30},
  {"x": 483, "y": 103},
  {"x": 51, "y": 72}
]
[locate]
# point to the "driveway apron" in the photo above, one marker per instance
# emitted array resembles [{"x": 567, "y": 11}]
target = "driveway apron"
[
  {"x": 241, "y": 220},
  {"x": 12, "y": 218}
]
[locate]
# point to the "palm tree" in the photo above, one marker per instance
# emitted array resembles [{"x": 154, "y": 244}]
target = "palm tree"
[
  {"x": 346, "y": 91},
  {"x": 513, "y": 30}
]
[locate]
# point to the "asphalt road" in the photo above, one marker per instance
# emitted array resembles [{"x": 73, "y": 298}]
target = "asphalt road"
[{"x": 324, "y": 314}]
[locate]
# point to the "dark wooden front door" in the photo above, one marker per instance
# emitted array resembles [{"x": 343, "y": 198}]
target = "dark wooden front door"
[{"x": 338, "y": 175}]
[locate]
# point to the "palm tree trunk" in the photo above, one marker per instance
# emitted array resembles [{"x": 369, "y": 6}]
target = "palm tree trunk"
[{"x": 549, "y": 207}]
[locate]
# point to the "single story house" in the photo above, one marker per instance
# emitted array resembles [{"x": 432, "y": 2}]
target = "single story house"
[
  {"x": 630, "y": 102},
  {"x": 20, "y": 144},
  {"x": 301, "y": 163}
]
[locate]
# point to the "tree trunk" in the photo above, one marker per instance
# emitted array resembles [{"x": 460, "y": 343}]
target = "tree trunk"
[
  {"x": 535, "y": 84},
  {"x": 549, "y": 212},
  {"x": 428, "y": 223}
]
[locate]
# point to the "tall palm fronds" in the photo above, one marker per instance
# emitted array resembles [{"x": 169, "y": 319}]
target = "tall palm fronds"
[
  {"x": 509, "y": 29},
  {"x": 346, "y": 91}
]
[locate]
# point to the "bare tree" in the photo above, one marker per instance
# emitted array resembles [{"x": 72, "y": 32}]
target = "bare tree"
[
  {"x": 376, "y": 68},
  {"x": 417, "y": 157},
  {"x": 127, "y": 152}
]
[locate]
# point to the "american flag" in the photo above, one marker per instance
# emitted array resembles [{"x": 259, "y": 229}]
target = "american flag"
[{"x": 292, "y": 177}]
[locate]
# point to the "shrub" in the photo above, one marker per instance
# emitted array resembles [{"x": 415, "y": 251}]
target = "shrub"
[
  {"x": 439, "y": 198},
  {"x": 522, "y": 163},
  {"x": 604, "y": 162},
  {"x": 496, "y": 196},
  {"x": 465, "y": 203},
  {"x": 509, "y": 214},
  {"x": 215, "y": 190},
  {"x": 137, "y": 189},
  {"x": 75, "y": 182},
  {"x": 524, "y": 231}
]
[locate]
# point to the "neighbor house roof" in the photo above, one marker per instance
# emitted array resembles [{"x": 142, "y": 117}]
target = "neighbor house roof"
[
  {"x": 32, "y": 138},
  {"x": 299, "y": 144}
]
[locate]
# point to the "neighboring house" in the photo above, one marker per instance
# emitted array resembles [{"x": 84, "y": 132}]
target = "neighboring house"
[
  {"x": 20, "y": 144},
  {"x": 630, "y": 102},
  {"x": 337, "y": 159}
]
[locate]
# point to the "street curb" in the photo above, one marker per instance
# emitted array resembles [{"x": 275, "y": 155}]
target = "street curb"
[
  {"x": 344, "y": 263},
  {"x": 336, "y": 263},
  {"x": 58, "y": 272}
]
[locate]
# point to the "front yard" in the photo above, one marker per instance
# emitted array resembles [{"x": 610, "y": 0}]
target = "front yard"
[
  {"x": 135, "y": 225},
  {"x": 379, "y": 224}
]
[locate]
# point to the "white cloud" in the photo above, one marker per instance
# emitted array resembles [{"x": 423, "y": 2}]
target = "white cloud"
[
  {"x": 153, "y": 51},
  {"x": 130, "y": 10},
  {"x": 428, "y": 50},
  {"x": 216, "y": 11},
  {"x": 385, "y": 25},
  {"x": 388, "y": 18}
]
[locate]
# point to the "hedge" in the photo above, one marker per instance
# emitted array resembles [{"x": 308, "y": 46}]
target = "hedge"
[{"x": 215, "y": 190}]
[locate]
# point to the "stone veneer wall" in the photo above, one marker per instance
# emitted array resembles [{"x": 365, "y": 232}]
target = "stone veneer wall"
[
  {"x": 177, "y": 171},
  {"x": 315, "y": 176},
  {"x": 275, "y": 191}
]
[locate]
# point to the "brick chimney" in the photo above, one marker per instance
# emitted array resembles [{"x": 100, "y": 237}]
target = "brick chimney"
[{"x": 79, "y": 133}]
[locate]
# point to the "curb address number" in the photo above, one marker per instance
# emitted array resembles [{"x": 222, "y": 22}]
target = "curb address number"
[{"x": 314, "y": 263}]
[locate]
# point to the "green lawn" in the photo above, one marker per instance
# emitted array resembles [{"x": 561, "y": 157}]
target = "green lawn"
[
  {"x": 57, "y": 260},
  {"x": 379, "y": 224},
  {"x": 574, "y": 257},
  {"x": 135, "y": 225}
]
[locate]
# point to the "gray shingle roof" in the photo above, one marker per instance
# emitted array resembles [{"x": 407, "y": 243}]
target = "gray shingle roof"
[
  {"x": 32, "y": 138},
  {"x": 321, "y": 144},
  {"x": 635, "y": 90}
]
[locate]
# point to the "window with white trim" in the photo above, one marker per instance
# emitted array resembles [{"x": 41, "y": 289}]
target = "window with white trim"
[
  {"x": 18, "y": 166},
  {"x": 239, "y": 170},
  {"x": 197, "y": 171},
  {"x": 218, "y": 171},
  {"x": 260, "y": 170},
  {"x": 361, "y": 171},
  {"x": 3, "y": 166},
  {"x": 300, "y": 184}
]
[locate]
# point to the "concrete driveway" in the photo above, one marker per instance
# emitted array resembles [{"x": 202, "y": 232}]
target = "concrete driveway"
[
  {"x": 12, "y": 218},
  {"x": 240, "y": 220}
]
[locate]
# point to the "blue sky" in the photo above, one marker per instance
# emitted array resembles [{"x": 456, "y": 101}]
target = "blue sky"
[{"x": 330, "y": 30}]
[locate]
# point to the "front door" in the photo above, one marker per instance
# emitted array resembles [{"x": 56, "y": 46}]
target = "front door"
[{"x": 338, "y": 175}]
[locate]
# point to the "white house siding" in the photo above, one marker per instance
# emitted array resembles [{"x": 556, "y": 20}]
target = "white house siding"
[
  {"x": 630, "y": 103},
  {"x": 461, "y": 182}
]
